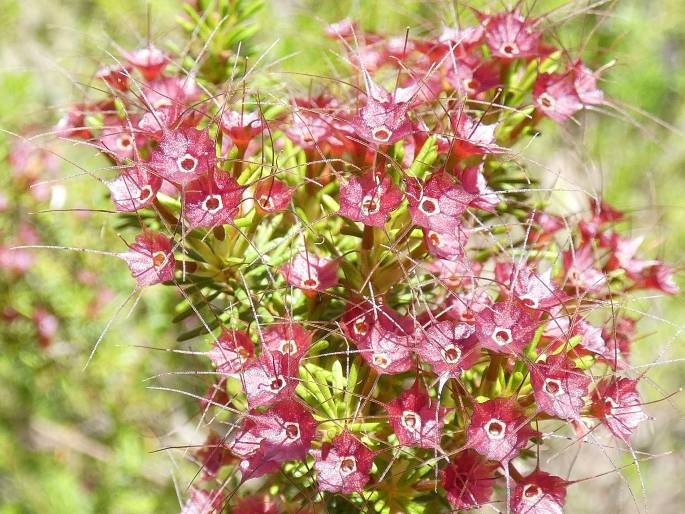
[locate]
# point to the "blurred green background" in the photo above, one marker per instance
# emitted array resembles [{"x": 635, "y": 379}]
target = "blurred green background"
[{"x": 82, "y": 441}]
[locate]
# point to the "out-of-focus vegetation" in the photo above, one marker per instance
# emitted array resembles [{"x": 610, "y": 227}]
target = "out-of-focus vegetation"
[{"x": 79, "y": 441}]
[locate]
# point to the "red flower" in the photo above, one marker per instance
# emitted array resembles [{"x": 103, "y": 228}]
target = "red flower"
[
  {"x": 446, "y": 245},
  {"x": 212, "y": 200},
  {"x": 270, "y": 379},
  {"x": 504, "y": 328},
  {"x": 256, "y": 504},
  {"x": 231, "y": 351},
  {"x": 168, "y": 101},
  {"x": 454, "y": 273},
  {"x": 184, "y": 155},
  {"x": 580, "y": 269},
  {"x": 473, "y": 137},
  {"x": 203, "y": 502},
  {"x": 438, "y": 204},
  {"x": 151, "y": 61},
  {"x": 369, "y": 198},
  {"x": 416, "y": 422},
  {"x": 116, "y": 76},
  {"x": 498, "y": 430},
  {"x": 311, "y": 273},
  {"x": 617, "y": 403},
  {"x": 510, "y": 36},
  {"x": 384, "y": 338},
  {"x": 535, "y": 291},
  {"x": 468, "y": 480},
  {"x": 585, "y": 82},
  {"x": 213, "y": 455},
  {"x": 448, "y": 347},
  {"x": 556, "y": 97},
  {"x": 539, "y": 493},
  {"x": 241, "y": 127},
  {"x": 383, "y": 120},
  {"x": 272, "y": 195},
  {"x": 343, "y": 465},
  {"x": 150, "y": 259},
  {"x": 134, "y": 189},
  {"x": 287, "y": 338},
  {"x": 559, "y": 387}
]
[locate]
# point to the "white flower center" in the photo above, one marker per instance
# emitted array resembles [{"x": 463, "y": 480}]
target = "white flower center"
[
  {"x": 288, "y": 346},
  {"x": 451, "y": 354},
  {"x": 531, "y": 493},
  {"x": 495, "y": 429},
  {"x": 370, "y": 205},
  {"x": 411, "y": 421},
  {"x": 509, "y": 48},
  {"x": 553, "y": 387},
  {"x": 187, "y": 163},
  {"x": 547, "y": 101},
  {"x": 212, "y": 204},
  {"x": 159, "y": 259},
  {"x": 292, "y": 431},
  {"x": 145, "y": 193},
  {"x": 429, "y": 206},
  {"x": 381, "y": 134},
  {"x": 501, "y": 336},
  {"x": 347, "y": 465},
  {"x": 381, "y": 360}
]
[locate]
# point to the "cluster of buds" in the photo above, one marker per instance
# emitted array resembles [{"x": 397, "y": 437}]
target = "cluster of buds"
[{"x": 390, "y": 316}]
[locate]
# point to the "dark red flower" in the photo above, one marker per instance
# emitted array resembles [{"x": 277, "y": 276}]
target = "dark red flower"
[
  {"x": 184, "y": 155},
  {"x": 438, "y": 204},
  {"x": 617, "y": 404},
  {"x": 448, "y": 347},
  {"x": 270, "y": 379},
  {"x": 213, "y": 455},
  {"x": 416, "y": 420},
  {"x": 343, "y": 465},
  {"x": 310, "y": 273},
  {"x": 498, "y": 429},
  {"x": 468, "y": 480},
  {"x": 150, "y": 259},
  {"x": 231, "y": 351},
  {"x": 272, "y": 195},
  {"x": 256, "y": 504},
  {"x": 504, "y": 328},
  {"x": 369, "y": 198},
  {"x": 287, "y": 338},
  {"x": 212, "y": 200},
  {"x": 135, "y": 188},
  {"x": 559, "y": 387},
  {"x": 539, "y": 493}
]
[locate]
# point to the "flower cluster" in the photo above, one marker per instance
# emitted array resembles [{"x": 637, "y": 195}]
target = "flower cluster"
[{"x": 388, "y": 313}]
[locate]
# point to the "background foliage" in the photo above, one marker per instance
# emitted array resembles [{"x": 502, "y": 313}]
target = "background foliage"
[{"x": 75, "y": 440}]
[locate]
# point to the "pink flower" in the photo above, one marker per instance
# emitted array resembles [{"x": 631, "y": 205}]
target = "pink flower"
[
  {"x": 168, "y": 102},
  {"x": 383, "y": 120},
  {"x": 454, "y": 273},
  {"x": 369, "y": 198},
  {"x": 46, "y": 326},
  {"x": 343, "y": 465},
  {"x": 134, "y": 189},
  {"x": 533, "y": 290},
  {"x": 556, "y": 97},
  {"x": 617, "y": 404},
  {"x": 585, "y": 82},
  {"x": 559, "y": 387},
  {"x": 438, "y": 204},
  {"x": 510, "y": 36},
  {"x": 150, "y": 259},
  {"x": 468, "y": 480},
  {"x": 498, "y": 429},
  {"x": 504, "y": 328},
  {"x": 119, "y": 141},
  {"x": 448, "y": 347},
  {"x": 271, "y": 378},
  {"x": 581, "y": 271},
  {"x": 116, "y": 76},
  {"x": 241, "y": 127},
  {"x": 232, "y": 351},
  {"x": 416, "y": 421},
  {"x": 256, "y": 504},
  {"x": 473, "y": 137},
  {"x": 446, "y": 245},
  {"x": 310, "y": 273},
  {"x": 287, "y": 338},
  {"x": 203, "y": 502},
  {"x": 184, "y": 155},
  {"x": 272, "y": 195},
  {"x": 212, "y": 200},
  {"x": 539, "y": 493},
  {"x": 151, "y": 61}
]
